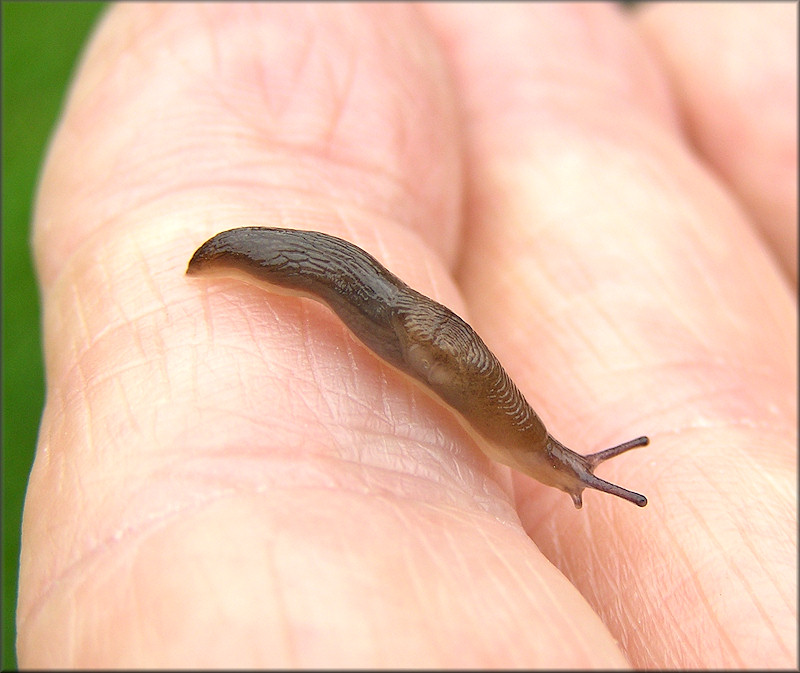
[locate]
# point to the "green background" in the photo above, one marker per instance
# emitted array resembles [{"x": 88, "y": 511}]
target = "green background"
[{"x": 41, "y": 42}]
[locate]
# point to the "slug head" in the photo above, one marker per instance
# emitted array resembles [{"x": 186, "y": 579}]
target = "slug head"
[{"x": 574, "y": 472}]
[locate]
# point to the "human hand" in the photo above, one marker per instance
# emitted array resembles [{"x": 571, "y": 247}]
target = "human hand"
[{"x": 225, "y": 477}]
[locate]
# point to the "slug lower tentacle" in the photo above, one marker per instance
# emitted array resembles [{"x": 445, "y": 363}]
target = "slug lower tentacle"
[{"x": 418, "y": 336}]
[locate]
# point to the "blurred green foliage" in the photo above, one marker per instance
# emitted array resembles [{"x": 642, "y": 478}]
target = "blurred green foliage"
[{"x": 40, "y": 41}]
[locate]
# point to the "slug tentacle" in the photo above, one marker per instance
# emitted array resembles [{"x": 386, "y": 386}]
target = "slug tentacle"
[
  {"x": 584, "y": 466},
  {"x": 596, "y": 458},
  {"x": 418, "y": 336}
]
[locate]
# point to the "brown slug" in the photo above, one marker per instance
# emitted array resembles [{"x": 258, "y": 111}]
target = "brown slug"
[{"x": 418, "y": 336}]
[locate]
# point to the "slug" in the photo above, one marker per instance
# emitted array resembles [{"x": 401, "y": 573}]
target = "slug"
[{"x": 416, "y": 335}]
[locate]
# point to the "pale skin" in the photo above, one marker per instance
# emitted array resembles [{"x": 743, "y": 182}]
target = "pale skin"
[{"x": 225, "y": 477}]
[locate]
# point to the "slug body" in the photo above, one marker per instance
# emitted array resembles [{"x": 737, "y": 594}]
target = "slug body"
[{"x": 418, "y": 336}]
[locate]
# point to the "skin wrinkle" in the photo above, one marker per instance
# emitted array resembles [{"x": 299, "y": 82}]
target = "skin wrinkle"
[
  {"x": 371, "y": 635},
  {"x": 153, "y": 522},
  {"x": 356, "y": 381},
  {"x": 444, "y": 529},
  {"x": 791, "y": 503},
  {"x": 498, "y": 611},
  {"x": 708, "y": 609},
  {"x": 287, "y": 639},
  {"x": 425, "y": 476},
  {"x": 97, "y": 380},
  {"x": 644, "y": 611},
  {"x": 339, "y": 99},
  {"x": 743, "y": 579},
  {"x": 106, "y": 378},
  {"x": 636, "y": 352},
  {"x": 501, "y": 610},
  {"x": 302, "y": 64},
  {"x": 432, "y": 604},
  {"x": 314, "y": 363},
  {"x": 418, "y": 592},
  {"x": 104, "y": 545},
  {"x": 610, "y": 575},
  {"x": 130, "y": 423},
  {"x": 442, "y": 435},
  {"x": 447, "y": 532},
  {"x": 89, "y": 352},
  {"x": 355, "y": 399},
  {"x": 412, "y": 467},
  {"x": 679, "y": 623},
  {"x": 80, "y": 313},
  {"x": 139, "y": 209},
  {"x": 88, "y": 418},
  {"x": 369, "y": 169},
  {"x": 708, "y": 477},
  {"x": 503, "y": 588},
  {"x": 620, "y": 575},
  {"x": 592, "y": 345},
  {"x": 365, "y": 171}
]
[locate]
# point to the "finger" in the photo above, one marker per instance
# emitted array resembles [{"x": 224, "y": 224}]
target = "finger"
[
  {"x": 627, "y": 295},
  {"x": 733, "y": 69},
  {"x": 220, "y": 478},
  {"x": 181, "y": 430}
]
